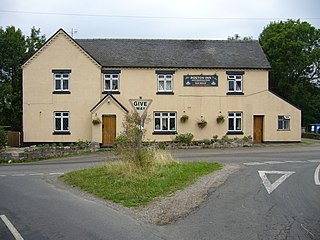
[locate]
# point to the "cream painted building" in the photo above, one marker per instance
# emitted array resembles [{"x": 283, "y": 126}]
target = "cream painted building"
[{"x": 71, "y": 84}]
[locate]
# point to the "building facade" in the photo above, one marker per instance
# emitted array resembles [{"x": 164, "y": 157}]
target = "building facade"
[{"x": 81, "y": 90}]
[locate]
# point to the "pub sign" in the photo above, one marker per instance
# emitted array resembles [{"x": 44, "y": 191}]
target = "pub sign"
[{"x": 200, "y": 80}]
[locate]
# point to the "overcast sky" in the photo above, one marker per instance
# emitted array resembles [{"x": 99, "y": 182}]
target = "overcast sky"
[{"x": 170, "y": 19}]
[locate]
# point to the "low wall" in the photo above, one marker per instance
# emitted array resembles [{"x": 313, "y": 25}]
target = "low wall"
[
  {"x": 221, "y": 143},
  {"x": 45, "y": 152},
  {"x": 311, "y": 135}
]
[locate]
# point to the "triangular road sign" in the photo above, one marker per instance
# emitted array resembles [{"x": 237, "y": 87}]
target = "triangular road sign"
[
  {"x": 140, "y": 106},
  {"x": 272, "y": 186}
]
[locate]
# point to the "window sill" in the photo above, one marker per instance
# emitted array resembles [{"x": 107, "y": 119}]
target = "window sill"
[
  {"x": 61, "y": 92},
  {"x": 235, "y": 133},
  {"x": 110, "y": 92},
  {"x": 164, "y": 133},
  {"x": 61, "y": 133},
  {"x": 284, "y": 130},
  {"x": 235, "y": 93},
  {"x": 165, "y": 93}
]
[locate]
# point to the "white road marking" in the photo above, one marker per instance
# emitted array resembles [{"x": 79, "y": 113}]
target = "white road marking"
[
  {"x": 36, "y": 174},
  {"x": 18, "y": 175},
  {"x": 316, "y": 160},
  {"x": 270, "y": 187},
  {"x": 31, "y": 174},
  {"x": 317, "y": 176},
  {"x": 273, "y": 162},
  {"x": 12, "y": 229},
  {"x": 298, "y": 161},
  {"x": 253, "y": 163},
  {"x": 56, "y": 173}
]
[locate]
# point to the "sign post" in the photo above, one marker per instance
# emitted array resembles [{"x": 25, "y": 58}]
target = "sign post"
[{"x": 140, "y": 106}]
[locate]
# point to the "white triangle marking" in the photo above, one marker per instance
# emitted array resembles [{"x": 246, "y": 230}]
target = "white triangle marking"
[
  {"x": 272, "y": 186},
  {"x": 317, "y": 175}
]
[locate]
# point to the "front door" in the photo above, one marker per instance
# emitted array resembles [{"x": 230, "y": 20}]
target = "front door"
[
  {"x": 108, "y": 130},
  {"x": 258, "y": 129}
]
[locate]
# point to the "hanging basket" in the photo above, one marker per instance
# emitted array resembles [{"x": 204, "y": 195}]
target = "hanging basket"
[
  {"x": 202, "y": 123},
  {"x": 184, "y": 118},
  {"x": 220, "y": 119},
  {"x": 96, "y": 121}
]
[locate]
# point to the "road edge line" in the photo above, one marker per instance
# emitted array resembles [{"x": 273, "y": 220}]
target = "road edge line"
[{"x": 12, "y": 229}]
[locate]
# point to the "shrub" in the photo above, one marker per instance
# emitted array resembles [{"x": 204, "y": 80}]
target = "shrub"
[
  {"x": 3, "y": 138},
  {"x": 206, "y": 141},
  {"x": 247, "y": 138},
  {"x": 184, "y": 138},
  {"x": 214, "y": 138},
  {"x": 225, "y": 139}
]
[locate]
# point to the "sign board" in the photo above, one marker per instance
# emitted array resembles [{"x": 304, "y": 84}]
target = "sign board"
[
  {"x": 140, "y": 106},
  {"x": 200, "y": 80}
]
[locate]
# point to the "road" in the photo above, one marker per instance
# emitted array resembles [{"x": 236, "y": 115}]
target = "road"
[{"x": 275, "y": 195}]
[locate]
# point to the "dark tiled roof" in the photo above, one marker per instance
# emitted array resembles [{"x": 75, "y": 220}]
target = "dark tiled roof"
[{"x": 175, "y": 53}]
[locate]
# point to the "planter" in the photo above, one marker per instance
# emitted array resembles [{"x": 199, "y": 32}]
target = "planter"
[
  {"x": 184, "y": 118},
  {"x": 96, "y": 121},
  {"x": 220, "y": 119},
  {"x": 202, "y": 123}
]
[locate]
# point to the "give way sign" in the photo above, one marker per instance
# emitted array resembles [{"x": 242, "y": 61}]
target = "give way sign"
[{"x": 140, "y": 106}]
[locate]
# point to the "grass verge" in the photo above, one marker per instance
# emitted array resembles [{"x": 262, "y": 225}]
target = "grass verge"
[{"x": 122, "y": 183}]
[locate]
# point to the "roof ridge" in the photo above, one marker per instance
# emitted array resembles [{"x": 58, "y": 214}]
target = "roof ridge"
[{"x": 164, "y": 39}]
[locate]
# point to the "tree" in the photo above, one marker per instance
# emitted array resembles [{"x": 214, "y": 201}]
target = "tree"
[
  {"x": 15, "y": 49},
  {"x": 237, "y": 37},
  {"x": 292, "y": 48}
]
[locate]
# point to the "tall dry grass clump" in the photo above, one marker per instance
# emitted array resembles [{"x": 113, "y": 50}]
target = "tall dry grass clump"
[{"x": 133, "y": 155}]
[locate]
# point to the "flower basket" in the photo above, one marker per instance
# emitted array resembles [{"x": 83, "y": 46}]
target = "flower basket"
[
  {"x": 184, "y": 118},
  {"x": 220, "y": 119},
  {"x": 96, "y": 121},
  {"x": 202, "y": 123}
]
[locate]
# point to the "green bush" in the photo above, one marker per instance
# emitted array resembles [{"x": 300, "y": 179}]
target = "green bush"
[
  {"x": 3, "y": 138},
  {"x": 206, "y": 141},
  {"x": 184, "y": 138}
]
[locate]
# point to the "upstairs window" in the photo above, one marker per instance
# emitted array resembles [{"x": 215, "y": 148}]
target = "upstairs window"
[
  {"x": 111, "y": 81},
  {"x": 165, "y": 81},
  {"x": 284, "y": 123},
  {"x": 235, "y": 82},
  {"x": 61, "y": 81}
]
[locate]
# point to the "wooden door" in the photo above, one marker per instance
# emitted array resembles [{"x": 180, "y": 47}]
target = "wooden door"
[
  {"x": 108, "y": 130},
  {"x": 258, "y": 129}
]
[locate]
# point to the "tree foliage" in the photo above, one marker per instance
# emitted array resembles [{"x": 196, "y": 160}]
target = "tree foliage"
[
  {"x": 15, "y": 49},
  {"x": 237, "y": 37},
  {"x": 292, "y": 48}
]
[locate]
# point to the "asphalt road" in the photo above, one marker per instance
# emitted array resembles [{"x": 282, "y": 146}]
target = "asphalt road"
[{"x": 273, "y": 196}]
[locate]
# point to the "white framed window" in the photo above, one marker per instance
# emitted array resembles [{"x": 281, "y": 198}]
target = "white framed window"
[
  {"x": 235, "y": 83},
  {"x": 235, "y": 121},
  {"x": 284, "y": 122},
  {"x": 165, "y": 82},
  {"x": 165, "y": 122},
  {"x": 61, "y": 121},
  {"x": 61, "y": 81},
  {"x": 111, "y": 82}
]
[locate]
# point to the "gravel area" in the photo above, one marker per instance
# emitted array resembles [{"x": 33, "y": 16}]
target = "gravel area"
[{"x": 165, "y": 210}]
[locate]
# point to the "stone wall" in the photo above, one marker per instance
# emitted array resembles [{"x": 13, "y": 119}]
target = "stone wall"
[{"x": 46, "y": 152}]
